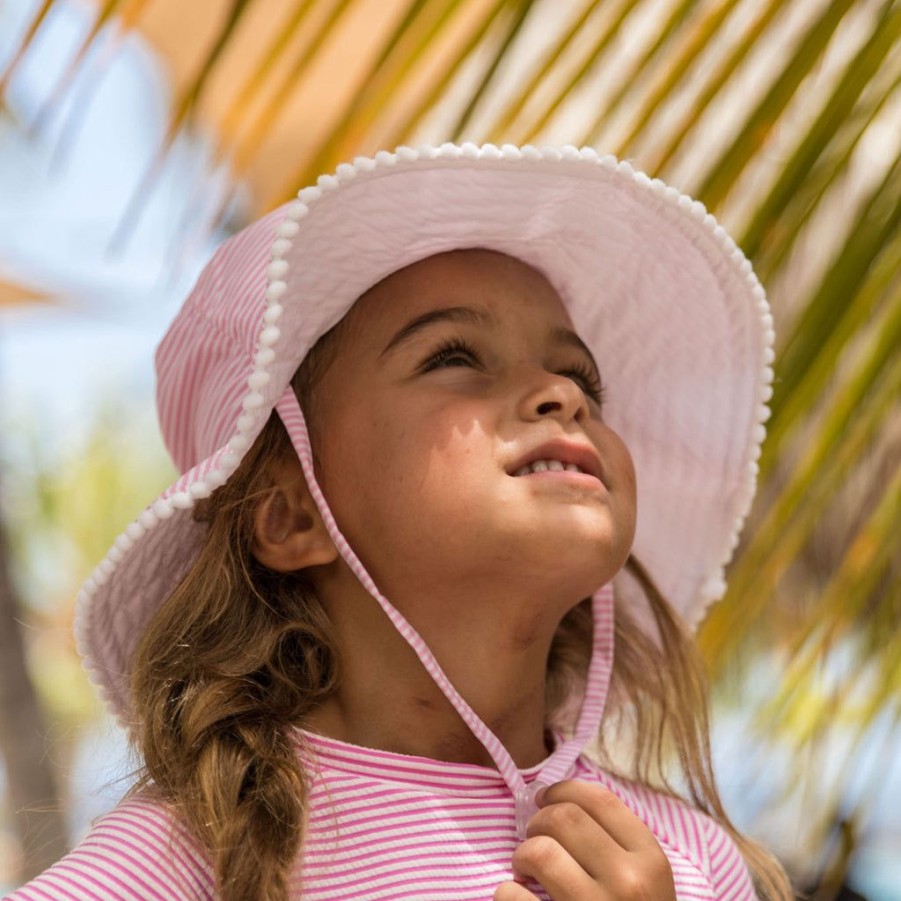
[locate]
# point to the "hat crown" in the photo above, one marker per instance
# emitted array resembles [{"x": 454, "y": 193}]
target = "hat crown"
[{"x": 206, "y": 358}]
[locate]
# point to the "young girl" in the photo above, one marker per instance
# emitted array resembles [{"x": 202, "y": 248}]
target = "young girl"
[{"x": 468, "y": 435}]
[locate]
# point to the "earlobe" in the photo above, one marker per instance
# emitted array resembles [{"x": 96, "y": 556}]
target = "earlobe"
[{"x": 288, "y": 533}]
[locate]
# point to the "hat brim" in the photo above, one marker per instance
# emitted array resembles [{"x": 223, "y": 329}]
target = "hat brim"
[{"x": 667, "y": 303}]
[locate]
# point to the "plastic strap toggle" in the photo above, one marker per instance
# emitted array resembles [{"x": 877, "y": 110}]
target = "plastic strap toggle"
[{"x": 526, "y": 807}]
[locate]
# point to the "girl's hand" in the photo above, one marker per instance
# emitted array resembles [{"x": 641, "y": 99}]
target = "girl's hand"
[{"x": 584, "y": 844}]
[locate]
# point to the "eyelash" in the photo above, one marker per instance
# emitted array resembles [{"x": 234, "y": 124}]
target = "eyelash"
[
  {"x": 582, "y": 374},
  {"x": 588, "y": 380},
  {"x": 447, "y": 351}
]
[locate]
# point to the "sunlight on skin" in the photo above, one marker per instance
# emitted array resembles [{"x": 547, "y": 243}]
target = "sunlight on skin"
[{"x": 420, "y": 440}]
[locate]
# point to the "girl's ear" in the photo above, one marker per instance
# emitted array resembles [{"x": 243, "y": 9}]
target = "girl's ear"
[{"x": 288, "y": 532}]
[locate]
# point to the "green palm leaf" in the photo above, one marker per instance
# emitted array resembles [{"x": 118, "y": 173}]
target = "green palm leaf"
[
  {"x": 861, "y": 69},
  {"x": 715, "y": 83},
  {"x": 635, "y": 71},
  {"x": 782, "y": 231},
  {"x": 759, "y": 124}
]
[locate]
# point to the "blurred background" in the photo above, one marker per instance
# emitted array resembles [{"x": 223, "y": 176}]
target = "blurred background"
[{"x": 136, "y": 134}]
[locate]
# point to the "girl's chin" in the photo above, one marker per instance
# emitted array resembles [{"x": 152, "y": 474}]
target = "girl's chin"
[
  {"x": 580, "y": 568},
  {"x": 574, "y": 547},
  {"x": 590, "y": 566}
]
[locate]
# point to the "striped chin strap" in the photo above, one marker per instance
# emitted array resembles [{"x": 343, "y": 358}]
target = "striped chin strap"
[{"x": 559, "y": 765}]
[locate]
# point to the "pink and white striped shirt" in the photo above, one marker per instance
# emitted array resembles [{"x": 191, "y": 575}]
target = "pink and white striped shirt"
[{"x": 382, "y": 827}]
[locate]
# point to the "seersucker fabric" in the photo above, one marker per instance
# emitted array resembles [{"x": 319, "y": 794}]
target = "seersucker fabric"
[{"x": 383, "y": 827}]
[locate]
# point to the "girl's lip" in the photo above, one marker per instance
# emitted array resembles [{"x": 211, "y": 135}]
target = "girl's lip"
[
  {"x": 573, "y": 479},
  {"x": 585, "y": 456}
]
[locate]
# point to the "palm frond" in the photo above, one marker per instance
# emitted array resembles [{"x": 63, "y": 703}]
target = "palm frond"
[
  {"x": 511, "y": 32},
  {"x": 246, "y": 146},
  {"x": 25, "y": 44},
  {"x": 858, "y": 409},
  {"x": 109, "y": 9},
  {"x": 860, "y": 70},
  {"x": 875, "y": 225},
  {"x": 702, "y": 32},
  {"x": 780, "y": 234},
  {"x": 677, "y": 19},
  {"x": 861, "y": 570},
  {"x": 408, "y": 45},
  {"x": 533, "y": 122},
  {"x": 412, "y": 118},
  {"x": 753, "y": 135},
  {"x": 237, "y": 110},
  {"x": 716, "y": 81},
  {"x": 500, "y": 128}
]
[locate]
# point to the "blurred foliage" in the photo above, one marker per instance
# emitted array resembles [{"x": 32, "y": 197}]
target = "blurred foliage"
[
  {"x": 65, "y": 512},
  {"x": 784, "y": 118}
]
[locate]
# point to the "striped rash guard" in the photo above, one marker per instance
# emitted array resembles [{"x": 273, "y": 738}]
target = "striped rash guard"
[{"x": 382, "y": 826}]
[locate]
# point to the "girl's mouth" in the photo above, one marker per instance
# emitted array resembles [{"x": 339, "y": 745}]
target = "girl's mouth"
[
  {"x": 557, "y": 457},
  {"x": 547, "y": 466}
]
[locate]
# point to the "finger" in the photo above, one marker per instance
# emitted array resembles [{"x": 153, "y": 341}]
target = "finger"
[
  {"x": 545, "y": 860},
  {"x": 606, "y": 809},
  {"x": 513, "y": 891},
  {"x": 583, "y": 838}
]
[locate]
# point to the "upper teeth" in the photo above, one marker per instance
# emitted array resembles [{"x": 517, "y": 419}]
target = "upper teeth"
[{"x": 547, "y": 466}]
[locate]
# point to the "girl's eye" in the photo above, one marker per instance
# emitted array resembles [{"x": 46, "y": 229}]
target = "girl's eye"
[
  {"x": 588, "y": 380},
  {"x": 453, "y": 353}
]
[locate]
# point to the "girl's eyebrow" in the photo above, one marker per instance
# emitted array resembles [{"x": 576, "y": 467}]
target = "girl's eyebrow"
[
  {"x": 448, "y": 314},
  {"x": 563, "y": 336}
]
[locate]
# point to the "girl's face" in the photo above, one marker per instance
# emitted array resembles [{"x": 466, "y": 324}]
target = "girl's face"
[{"x": 451, "y": 380}]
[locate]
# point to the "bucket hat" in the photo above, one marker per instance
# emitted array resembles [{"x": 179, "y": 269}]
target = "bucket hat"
[{"x": 662, "y": 296}]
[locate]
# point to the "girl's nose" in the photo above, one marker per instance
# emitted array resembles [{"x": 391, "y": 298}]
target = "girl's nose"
[{"x": 553, "y": 395}]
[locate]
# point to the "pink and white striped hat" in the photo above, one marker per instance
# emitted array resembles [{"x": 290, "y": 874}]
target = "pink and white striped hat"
[{"x": 661, "y": 294}]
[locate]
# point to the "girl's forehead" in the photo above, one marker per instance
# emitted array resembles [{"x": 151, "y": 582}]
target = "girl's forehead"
[
  {"x": 501, "y": 288},
  {"x": 464, "y": 264},
  {"x": 488, "y": 279}
]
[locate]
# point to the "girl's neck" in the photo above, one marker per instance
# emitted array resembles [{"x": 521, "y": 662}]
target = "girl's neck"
[
  {"x": 428, "y": 727},
  {"x": 387, "y": 700}
]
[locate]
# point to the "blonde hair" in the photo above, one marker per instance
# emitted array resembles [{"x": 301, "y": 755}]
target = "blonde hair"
[{"x": 239, "y": 655}]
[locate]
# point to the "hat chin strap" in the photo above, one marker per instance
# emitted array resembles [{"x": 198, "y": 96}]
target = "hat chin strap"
[{"x": 559, "y": 765}]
